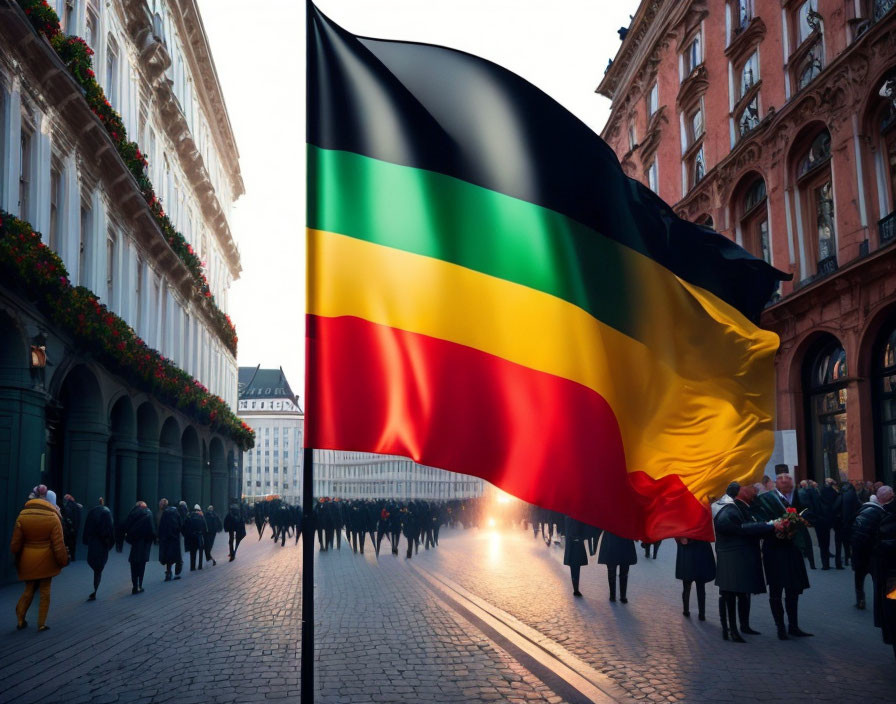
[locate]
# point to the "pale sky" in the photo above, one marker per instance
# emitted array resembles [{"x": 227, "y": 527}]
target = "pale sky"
[{"x": 562, "y": 46}]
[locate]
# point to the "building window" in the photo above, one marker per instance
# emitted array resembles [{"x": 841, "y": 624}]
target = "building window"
[
  {"x": 93, "y": 25},
  {"x": 69, "y": 16},
  {"x": 110, "y": 268},
  {"x": 652, "y": 100},
  {"x": 25, "y": 147},
  {"x": 693, "y": 55},
  {"x": 111, "y": 70},
  {"x": 696, "y": 168},
  {"x": 754, "y": 221},
  {"x": 817, "y": 196},
  {"x": 695, "y": 126},
  {"x": 810, "y": 66},
  {"x": 83, "y": 246},
  {"x": 749, "y": 74},
  {"x": 827, "y": 396},
  {"x": 749, "y": 117},
  {"x": 55, "y": 201},
  {"x": 807, "y": 21},
  {"x": 742, "y": 14},
  {"x": 632, "y": 141},
  {"x": 653, "y": 177},
  {"x": 882, "y": 7}
]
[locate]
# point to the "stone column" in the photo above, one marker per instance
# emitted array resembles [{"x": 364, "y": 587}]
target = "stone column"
[
  {"x": 148, "y": 474},
  {"x": 191, "y": 483},
  {"x": 125, "y": 457}
]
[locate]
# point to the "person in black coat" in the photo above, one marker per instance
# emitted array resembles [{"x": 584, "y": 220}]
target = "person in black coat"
[
  {"x": 574, "y": 553},
  {"x": 617, "y": 554},
  {"x": 236, "y": 529},
  {"x": 170, "y": 527},
  {"x": 71, "y": 522},
  {"x": 738, "y": 558},
  {"x": 284, "y": 522},
  {"x": 864, "y": 537},
  {"x": 850, "y": 505},
  {"x": 884, "y": 574},
  {"x": 829, "y": 518},
  {"x": 194, "y": 536},
  {"x": 785, "y": 568},
  {"x": 297, "y": 521},
  {"x": 140, "y": 534},
  {"x": 410, "y": 528},
  {"x": 694, "y": 564},
  {"x": 99, "y": 537},
  {"x": 213, "y": 526},
  {"x": 810, "y": 498},
  {"x": 259, "y": 518}
]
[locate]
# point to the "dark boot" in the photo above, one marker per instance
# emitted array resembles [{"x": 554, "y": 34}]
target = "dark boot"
[
  {"x": 778, "y": 614},
  {"x": 792, "y": 605},
  {"x": 611, "y": 579},
  {"x": 701, "y": 602},
  {"x": 743, "y": 612},
  {"x": 860, "y": 599},
  {"x": 686, "y": 599},
  {"x": 623, "y": 587},
  {"x": 732, "y": 619}
]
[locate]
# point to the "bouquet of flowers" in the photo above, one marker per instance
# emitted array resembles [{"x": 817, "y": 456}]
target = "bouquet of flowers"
[{"x": 788, "y": 524}]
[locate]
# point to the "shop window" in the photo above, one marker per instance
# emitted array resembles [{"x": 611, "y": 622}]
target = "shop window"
[
  {"x": 885, "y": 403},
  {"x": 826, "y": 392}
]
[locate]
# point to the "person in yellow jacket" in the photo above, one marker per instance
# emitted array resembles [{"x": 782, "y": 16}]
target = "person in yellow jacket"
[{"x": 39, "y": 550}]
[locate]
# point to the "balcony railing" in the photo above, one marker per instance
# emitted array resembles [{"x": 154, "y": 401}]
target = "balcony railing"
[
  {"x": 826, "y": 266},
  {"x": 886, "y": 228}
]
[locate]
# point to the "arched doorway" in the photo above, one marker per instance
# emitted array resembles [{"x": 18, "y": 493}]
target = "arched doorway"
[
  {"x": 170, "y": 467},
  {"x": 148, "y": 454},
  {"x": 85, "y": 437},
  {"x": 192, "y": 470},
  {"x": 22, "y": 433},
  {"x": 218, "y": 460},
  {"x": 825, "y": 375},
  {"x": 884, "y": 398},
  {"x": 121, "y": 475}
]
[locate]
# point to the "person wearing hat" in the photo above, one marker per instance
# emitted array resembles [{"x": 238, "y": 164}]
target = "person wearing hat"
[
  {"x": 38, "y": 548},
  {"x": 738, "y": 559},
  {"x": 194, "y": 536}
]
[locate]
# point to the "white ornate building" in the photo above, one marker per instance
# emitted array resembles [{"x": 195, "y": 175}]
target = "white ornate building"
[{"x": 76, "y": 425}]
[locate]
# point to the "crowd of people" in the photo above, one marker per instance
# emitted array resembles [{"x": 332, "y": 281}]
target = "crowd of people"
[{"x": 762, "y": 545}]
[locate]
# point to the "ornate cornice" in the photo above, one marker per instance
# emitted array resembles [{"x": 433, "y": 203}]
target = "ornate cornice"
[
  {"x": 637, "y": 32},
  {"x": 746, "y": 41},
  {"x": 651, "y": 141}
]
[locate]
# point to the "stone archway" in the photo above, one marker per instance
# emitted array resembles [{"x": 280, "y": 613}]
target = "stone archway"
[
  {"x": 170, "y": 462},
  {"x": 121, "y": 475},
  {"x": 191, "y": 484},
  {"x": 22, "y": 433},
  {"x": 218, "y": 461},
  {"x": 85, "y": 437},
  {"x": 148, "y": 454}
]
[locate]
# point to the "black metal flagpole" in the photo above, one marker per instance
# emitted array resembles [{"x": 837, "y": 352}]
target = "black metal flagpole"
[{"x": 307, "y": 659}]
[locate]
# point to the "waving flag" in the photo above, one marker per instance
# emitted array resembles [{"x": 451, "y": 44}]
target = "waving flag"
[{"x": 490, "y": 294}]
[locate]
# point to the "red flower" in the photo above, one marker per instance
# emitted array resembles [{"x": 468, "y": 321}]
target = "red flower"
[{"x": 791, "y": 509}]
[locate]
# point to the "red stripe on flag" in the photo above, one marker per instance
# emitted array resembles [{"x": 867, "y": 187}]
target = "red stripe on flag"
[{"x": 547, "y": 440}]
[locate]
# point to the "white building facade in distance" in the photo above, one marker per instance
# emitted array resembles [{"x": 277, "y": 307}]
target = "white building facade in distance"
[{"x": 274, "y": 465}]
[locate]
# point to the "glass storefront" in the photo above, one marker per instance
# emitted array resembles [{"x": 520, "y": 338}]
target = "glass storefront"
[
  {"x": 885, "y": 392},
  {"x": 827, "y": 396}
]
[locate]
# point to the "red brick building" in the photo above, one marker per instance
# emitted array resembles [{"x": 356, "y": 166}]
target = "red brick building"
[{"x": 774, "y": 121}]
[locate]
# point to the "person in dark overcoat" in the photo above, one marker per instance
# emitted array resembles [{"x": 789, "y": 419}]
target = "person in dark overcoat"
[
  {"x": 738, "y": 558},
  {"x": 410, "y": 528},
  {"x": 140, "y": 534},
  {"x": 849, "y": 503},
  {"x": 99, "y": 537},
  {"x": 574, "y": 553},
  {"x": 618, "y": 554},
  {"x": 258, "y": 515},
  {"x": 194, "y": 536},
  {"x": 297, "y": 521},
  {"x": 829, "y": 517},
  {"x": 884, "y": 574},
  {"x": 864, "y": 537},
  {"x": 646, "y": 547},
  {"x": 213, "y": 526},
  {"x": 71, "y": 523},
  {"x": 782, "y": 558},
  {"x": 694, "y": 564},
  {"x": 236, "y": 529},
  {"x": 170, "y": 527}
]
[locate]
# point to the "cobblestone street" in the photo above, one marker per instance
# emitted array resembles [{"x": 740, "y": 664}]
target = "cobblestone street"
[{"x": 488, "y": 616}]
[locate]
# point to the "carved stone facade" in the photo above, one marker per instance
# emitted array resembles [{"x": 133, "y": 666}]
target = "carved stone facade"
[{"x": 790, "y": 106}]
